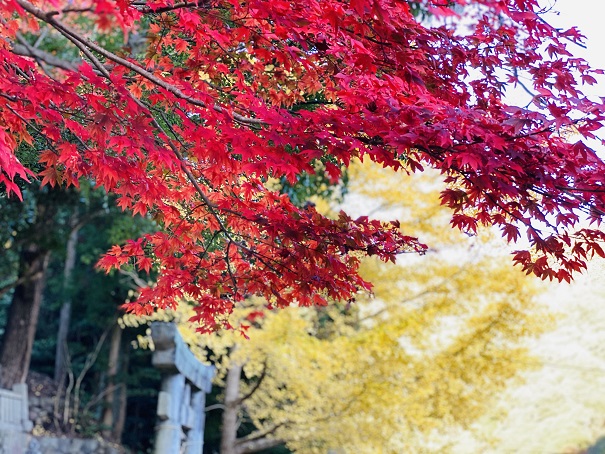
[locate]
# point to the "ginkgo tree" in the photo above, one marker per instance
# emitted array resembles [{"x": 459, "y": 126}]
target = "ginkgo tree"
[
  {"x": 187, "y": 113},
  {"x": 396, "y": 372}
]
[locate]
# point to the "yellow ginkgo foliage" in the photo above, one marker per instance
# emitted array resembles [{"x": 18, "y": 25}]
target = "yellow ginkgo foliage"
[{"x": 393, "y": 372}]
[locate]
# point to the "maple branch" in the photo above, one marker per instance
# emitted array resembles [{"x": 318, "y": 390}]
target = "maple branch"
[
  {"x": 523, "y": 86},
  {"x": 142, "y": 6},
  {"x": 25, "y": 45},
  {"x": 84, "y": 45},
  {"x": 138, "y": 281},
  {"x": 29, "y": 124},
  {"x": 49, "y": 142},
  {"x": 40, "y": 55},
  {"x": 101, "y": 68},
  {"x": 77, "y": 41},
  {"x": 568, "y": 188},
  {"x": 228, "y": 264},
  {"x": 263, "y": 258},
  {"x": 211, "y": 206},
  {"x": 74, "y": 35},
  {"x": 537, "y": 235},
  {"x": 71, "y": 9},
  {"x": 392, "y": 80},
  {"x": 206, "y": 248},
  {"x": 528, "y": 224},
  {"x": 23, "y": 48},
  {"x": 584, "y": 206},
  {"x": 559, "y": 30},
  {"x": 87, "y": 47}
]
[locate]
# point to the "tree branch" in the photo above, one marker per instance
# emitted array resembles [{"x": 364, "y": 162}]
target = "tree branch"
[
  {"x": 142, "y": 6},
  {"x": 73, "y": 36},
  {"x": 15, "y": 283},
  {"x": 135, "y": 278},
  {"x": 49, "y": 59},
  {"x": 258, "y": 445},
  {"x": 259, "y": 434},
  {"x": 256, "y": 385}
]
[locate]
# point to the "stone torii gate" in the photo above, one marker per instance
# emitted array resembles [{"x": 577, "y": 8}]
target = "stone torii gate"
[{"x": 182, "y": 400}]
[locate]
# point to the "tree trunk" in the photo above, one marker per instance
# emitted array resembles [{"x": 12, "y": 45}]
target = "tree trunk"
[
  {"x": 64, "y": 318},
  {"x": 112, "y": 371},
  {"x": 20, "y": 331},
  {"x": 120, "y": 420},
  {"x": 256, "y": 441},
  {"x": 231, "y": 411}
]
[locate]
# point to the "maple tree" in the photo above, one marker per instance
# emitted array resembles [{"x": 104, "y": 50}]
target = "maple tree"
[{"x": 185, "y": 109}]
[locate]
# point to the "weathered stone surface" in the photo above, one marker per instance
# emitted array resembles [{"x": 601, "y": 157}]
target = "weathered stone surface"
[
  {"x": 172, "y": 354},
  {"x": 23, "y": 443},
  {"x": 90, "y": 446},
  {"x": 13, "y": 442},
  {"x": 14, "y": 413},
  {"x": 182, "y": 398},
  {"x": 163, "y": 405},
  {"x": 33, "y": 447}
]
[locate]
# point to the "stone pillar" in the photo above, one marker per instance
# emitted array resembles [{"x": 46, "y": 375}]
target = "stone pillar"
[
  {"x": 169, "y": 433},
  {"x": 195, "y": 437},
  {"x": 182, "y": 399}
]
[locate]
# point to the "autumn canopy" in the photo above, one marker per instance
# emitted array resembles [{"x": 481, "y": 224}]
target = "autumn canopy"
[{"x": 186, "y": 110}]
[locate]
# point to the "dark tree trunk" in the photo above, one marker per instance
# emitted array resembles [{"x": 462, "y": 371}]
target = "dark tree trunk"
[
  {"x": 118, "y": 428},
  {"x": 18, "y": 339},
  {"x": 109, "y": 412},
  {"x": 20, "y": 330}
]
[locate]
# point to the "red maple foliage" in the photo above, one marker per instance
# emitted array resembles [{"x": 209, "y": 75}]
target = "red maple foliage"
[{"x": 183, "y": 109}]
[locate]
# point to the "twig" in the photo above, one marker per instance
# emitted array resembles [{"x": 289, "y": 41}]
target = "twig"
[{"x": 90, "y": 360}]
